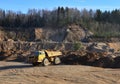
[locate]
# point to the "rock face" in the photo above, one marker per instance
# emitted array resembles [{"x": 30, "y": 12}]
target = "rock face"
[
  {"x": 51, "y": 35},
  {"x": 70, "y": 33},
  {"x": 116, "y": 46},
  {"x": 17, "y": 34},
  {"x": 38, "y": 33},
  {"x": 2, "y": 35},
  {"x": 32, "y": 46},
  {"x": 77, "y": 33},
  {"x": 100, "y": 47}
]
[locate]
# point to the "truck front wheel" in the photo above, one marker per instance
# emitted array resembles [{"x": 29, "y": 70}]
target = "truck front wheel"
[{"x": 45, "y": 62}]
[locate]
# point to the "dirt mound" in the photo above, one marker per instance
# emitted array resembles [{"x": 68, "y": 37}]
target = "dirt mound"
[
  {"x": 100, "y": 54},
  {"x": 92, "y": 59},
  {"x": 19, "y": 56},
  {"x": 117, "y": 62},
  {"x": 116, "y": 46},
  {"x": 105, "y": 62},
  {"x": 77, "y": 33},
  {"x": 100, "y": 47},
  {"x": 2, "y": 35},
  {"x": 69, "y": 33}
]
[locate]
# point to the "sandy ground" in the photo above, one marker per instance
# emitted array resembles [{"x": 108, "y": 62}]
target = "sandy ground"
[{"x": 21, "y": 73}]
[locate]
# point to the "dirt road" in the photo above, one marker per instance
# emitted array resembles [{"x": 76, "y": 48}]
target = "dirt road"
[{"x": 20, "y": 73}]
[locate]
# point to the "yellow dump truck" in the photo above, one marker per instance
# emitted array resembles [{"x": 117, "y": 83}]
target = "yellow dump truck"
[{"x": 44, "y": 57}]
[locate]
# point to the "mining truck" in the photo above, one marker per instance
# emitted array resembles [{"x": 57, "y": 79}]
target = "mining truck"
[{"x": 44, "y": 57}]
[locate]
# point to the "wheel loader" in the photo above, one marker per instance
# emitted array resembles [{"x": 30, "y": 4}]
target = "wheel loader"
[{"x": 44, "y": 57}]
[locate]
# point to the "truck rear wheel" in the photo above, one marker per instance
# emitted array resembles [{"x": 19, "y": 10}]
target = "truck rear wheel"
[
  {"x": 57, "y": 60},
  {"x": 45, "y": 62}
]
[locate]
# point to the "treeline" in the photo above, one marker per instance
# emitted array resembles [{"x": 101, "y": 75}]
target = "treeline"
[
  {"x": 59, "y": 17},
  {"x": 102, "y": 23}
]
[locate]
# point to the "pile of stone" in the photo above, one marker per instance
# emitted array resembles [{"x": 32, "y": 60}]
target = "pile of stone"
[{"x": 97, "y": 54}]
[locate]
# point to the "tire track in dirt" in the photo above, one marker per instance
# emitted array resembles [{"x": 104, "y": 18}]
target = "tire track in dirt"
[{"x": 20, "y": 73}]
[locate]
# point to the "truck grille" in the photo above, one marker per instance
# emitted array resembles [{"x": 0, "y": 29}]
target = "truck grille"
[{"x": 32, "y": 59}]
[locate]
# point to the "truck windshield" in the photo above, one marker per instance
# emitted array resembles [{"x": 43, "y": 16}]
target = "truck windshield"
[
  {"x": 37, "y": 53},
  {"x": 41, "y": 52}
]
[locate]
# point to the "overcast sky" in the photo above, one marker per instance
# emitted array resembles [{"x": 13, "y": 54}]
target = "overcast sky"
[{"x": 24, "y": 5}]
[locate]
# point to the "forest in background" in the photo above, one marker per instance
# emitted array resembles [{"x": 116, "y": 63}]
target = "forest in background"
[{"x": 101, "y": 23}]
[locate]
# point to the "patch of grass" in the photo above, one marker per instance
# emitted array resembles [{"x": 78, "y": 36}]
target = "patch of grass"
[{"x": 77, "y": 46}]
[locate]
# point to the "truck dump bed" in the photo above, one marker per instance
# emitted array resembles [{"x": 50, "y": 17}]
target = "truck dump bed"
[{"x": 53, "y": 53}]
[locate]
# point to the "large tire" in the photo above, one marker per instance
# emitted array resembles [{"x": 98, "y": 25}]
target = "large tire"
[
  {"x": 57, "y": 60},
  {"x": 45, "y": 62}
]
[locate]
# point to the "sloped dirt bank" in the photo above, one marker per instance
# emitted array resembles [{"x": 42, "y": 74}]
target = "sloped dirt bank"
[{"x": 91, "y": 59}]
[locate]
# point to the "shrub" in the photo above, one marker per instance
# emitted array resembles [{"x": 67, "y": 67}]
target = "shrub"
[{"x": 77, "y": 46}]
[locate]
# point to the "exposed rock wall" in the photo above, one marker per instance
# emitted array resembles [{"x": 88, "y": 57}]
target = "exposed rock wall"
[
  {"x": 2, "y": 35},
  {"x": 29, "y": 46},
  {"x": 71, "y": 33}
]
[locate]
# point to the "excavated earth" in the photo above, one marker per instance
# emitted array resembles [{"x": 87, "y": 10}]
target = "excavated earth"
[
  {"x": 77, "y": 67},
  {"x": 96, "y": 54}
]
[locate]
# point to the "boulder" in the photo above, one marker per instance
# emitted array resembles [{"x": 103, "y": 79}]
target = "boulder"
[{"x": 100, "y": 47}]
